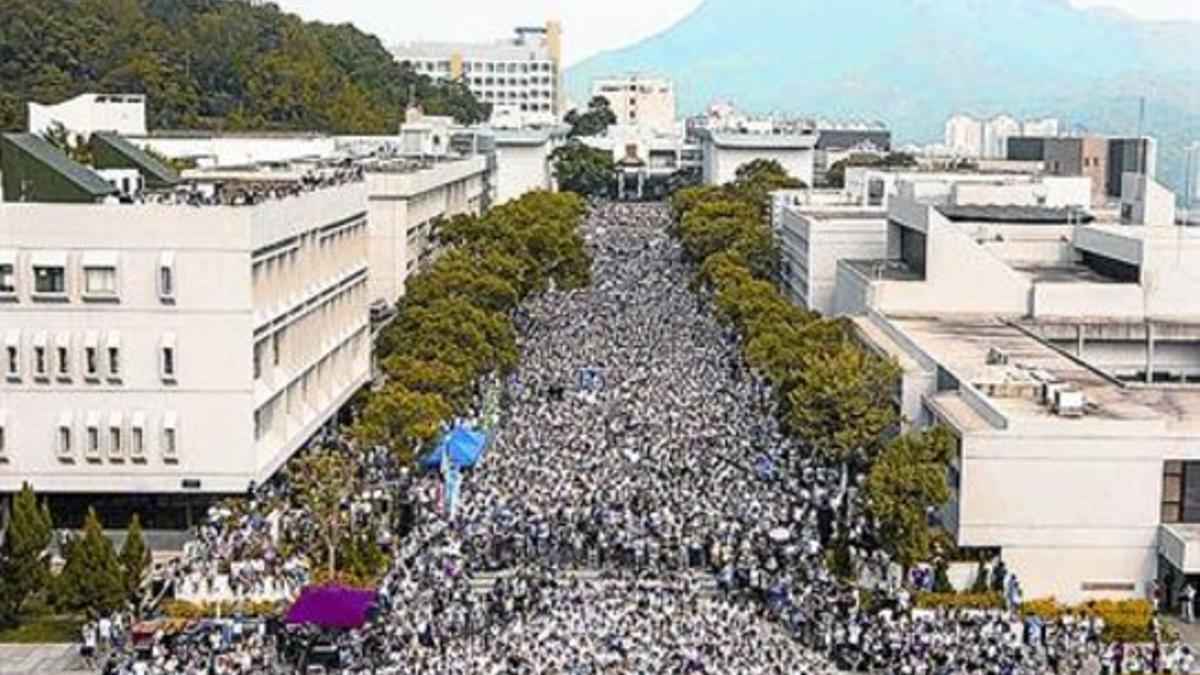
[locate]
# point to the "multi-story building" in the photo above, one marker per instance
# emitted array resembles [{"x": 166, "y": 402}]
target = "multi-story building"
[
  {"x": 185, "y": 342},
  {"x": 1103, "y": 160},
  {"x": 996, "y": 132},
  {"x": 640, "y": 100},
  {"x": 816, "y": 229},
  {"x": 836, "y": 142},
  {"x": 520, "y": 77},
  {"x": 648, "y": 161},
  {"x": 86, "y": 114},
  {"x": 407, "y": 201},
  {"x": 724, "y": 152},
  {"x": 964, "y": 136},
  {"x": 967, "y": 136},
  {"x": 1062, "y": 350}
]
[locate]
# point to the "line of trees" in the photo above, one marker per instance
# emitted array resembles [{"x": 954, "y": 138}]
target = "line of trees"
[
  {"x": 832, "y": 395},
  {"x": 213, "y": 64},
  {"x": 95, "y": 577},
  {"x": 453, "y": 329}
]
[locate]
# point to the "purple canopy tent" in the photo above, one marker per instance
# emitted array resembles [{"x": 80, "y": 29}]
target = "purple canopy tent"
[{"x": 332, "y": 607}]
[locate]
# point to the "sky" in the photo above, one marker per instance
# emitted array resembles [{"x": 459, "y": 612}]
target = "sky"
[{"x": 589, "y": 26}]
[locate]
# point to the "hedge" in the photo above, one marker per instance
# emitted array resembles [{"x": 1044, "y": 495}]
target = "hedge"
[
  {"x": 1124, "y": 620},
  {"x": 182, "y": 609},
  {"x": 959, "y": 601}
]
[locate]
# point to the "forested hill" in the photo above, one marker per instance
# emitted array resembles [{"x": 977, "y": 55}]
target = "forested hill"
[{"x": 219, "y": 64}]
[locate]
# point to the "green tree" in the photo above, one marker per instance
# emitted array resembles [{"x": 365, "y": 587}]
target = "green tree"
[
  {"x": 583, "y": 170},
  {"x": 23, "y": 566},
  {"x": 593, "y": 121},
  {"x": 906, "y": 482},
  {"x": 134, "y": 557},
  {"x": 91, "y": 579},
  {"x": 402, "y": 421},
  {"x": 324, "y": 482},
  {"x": 839, "y": 403}
]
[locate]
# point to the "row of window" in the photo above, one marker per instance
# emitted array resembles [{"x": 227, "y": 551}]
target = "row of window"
[
  {"x": 443, "y": 66},
  {"x": 506, "y": 81},
  {"x": 117, "y": 438},
  {"x": 49, "y": 275},
  {"x": 514, "y": 95},
  {"x": 64, "y": 358}
]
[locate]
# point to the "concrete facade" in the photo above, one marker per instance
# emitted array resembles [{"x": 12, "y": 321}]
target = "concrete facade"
[
  {"x": 88, "y": 113},
  {"x": 640, "y": 100},
  {"x": 725, "y": 152},
  {"x": 155, "y": 348},
  {"x": 405, "y": 207},
  {"x": 1063, "y": 354}
]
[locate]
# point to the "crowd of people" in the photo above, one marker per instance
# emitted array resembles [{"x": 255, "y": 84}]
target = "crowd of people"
[{"x": 640, "y": 510}]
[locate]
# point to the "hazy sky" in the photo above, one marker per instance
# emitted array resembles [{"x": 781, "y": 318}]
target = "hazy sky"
[{"x": 589, "y": 25}]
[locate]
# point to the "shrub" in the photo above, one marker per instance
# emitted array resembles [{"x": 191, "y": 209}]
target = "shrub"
[
  {"x": 959, "y": 601},
  {"x": 182, "y": 609}
]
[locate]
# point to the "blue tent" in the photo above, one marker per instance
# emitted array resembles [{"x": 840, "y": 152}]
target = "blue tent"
[{"x": 464, "y": 445}]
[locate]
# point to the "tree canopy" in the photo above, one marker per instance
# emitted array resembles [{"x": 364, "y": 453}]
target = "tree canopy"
[
  {"x": 584, "y": 170},
  {"x": 213, "y": 64},
  {"x": 907, "y": 482},
  {"x": 593, "y": 121},
  {"x": 23, "y": 562}
]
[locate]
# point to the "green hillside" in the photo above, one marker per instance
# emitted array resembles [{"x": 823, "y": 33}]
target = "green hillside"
[{"x": 212, "y": 64}]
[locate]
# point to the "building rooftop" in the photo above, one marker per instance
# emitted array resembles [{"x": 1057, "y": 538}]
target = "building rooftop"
[
  {"x": 1025, "y": 215},
  {"x": 64, "y": 167},
  {"x": 1007, "y": 366}
]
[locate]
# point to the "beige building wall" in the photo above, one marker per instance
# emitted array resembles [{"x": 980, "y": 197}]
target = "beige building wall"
[{"x": 197, "y": 294}]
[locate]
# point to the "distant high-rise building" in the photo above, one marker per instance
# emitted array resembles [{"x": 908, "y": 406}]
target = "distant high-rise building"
[
  {"x": 1046, "y": 126},
  {"x": 1104, "y": 160},
  {"x": 964, "y": 136},
  {"x": 520, "y": 77},
  {"x": 996, "y": 133},
  {"x": 639, "y": 100}
]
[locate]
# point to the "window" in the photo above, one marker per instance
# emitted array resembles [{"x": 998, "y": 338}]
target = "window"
[
  {"x": 258, "y": 358},
  {"x": 113, "y": 352},
  {"x": 137, "y": 436},
  {"x": 48, "y": 280},
  {"x": 3, "y": 437},
  {"x": 168, "y": 362},
  {"x": 62, "y": 357},
  {"x": 170, "y": 437},
  {"x": 166, "y": 359},
  {"x": 63, "y": 437},
  {"x": 100, "y": 281},
  {"x": 166, "y": 277},
  {"x": 276, "y": 341},
  {"x": 92, "y": 447},
  {"x": 8, "y": 278},
  {"x": 41, "y": 365},
  {"x": 115, "y": 437}
]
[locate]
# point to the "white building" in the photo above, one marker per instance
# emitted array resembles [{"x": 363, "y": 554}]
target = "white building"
[
  {"x": 640, "y": 100},
  {"x": 167, "y": 348},
  {"x": 964, "y": 136},
  {"x": 1046, "y": 127},
  {"x": 646, "y": 159},
  {"x": 88, "y": 113},
  {"x": 818, "y": 228},
  {"x": 407, "y": 201},
  {"x": 814, "y": 231},
  {"x": 1063, "y": 353},
  {"x": 522, "y": 160},
  {"x": 996, "y": 132},
  {"x": 725, "y": 152},
  {"x": 520, "y": 77}
]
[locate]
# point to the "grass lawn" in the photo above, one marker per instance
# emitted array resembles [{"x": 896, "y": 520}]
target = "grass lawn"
[{"x": 42, "y": 630}]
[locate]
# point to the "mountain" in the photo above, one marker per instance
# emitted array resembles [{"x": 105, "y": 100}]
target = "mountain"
[
  {"x": 913, "y": 63},
  {"x": 225, "y": 64}
]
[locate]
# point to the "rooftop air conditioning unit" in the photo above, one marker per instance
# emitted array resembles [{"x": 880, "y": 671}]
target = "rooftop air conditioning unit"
[
  {"x": 997, "y": 357},
  {"x": 1068, "y": 403}
]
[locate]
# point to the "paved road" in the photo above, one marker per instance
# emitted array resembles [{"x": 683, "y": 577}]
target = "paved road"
[{"x": 57, "y": 658}]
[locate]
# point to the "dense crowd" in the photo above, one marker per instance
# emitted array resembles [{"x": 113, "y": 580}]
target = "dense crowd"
[{"x": 639, "y": 510}]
